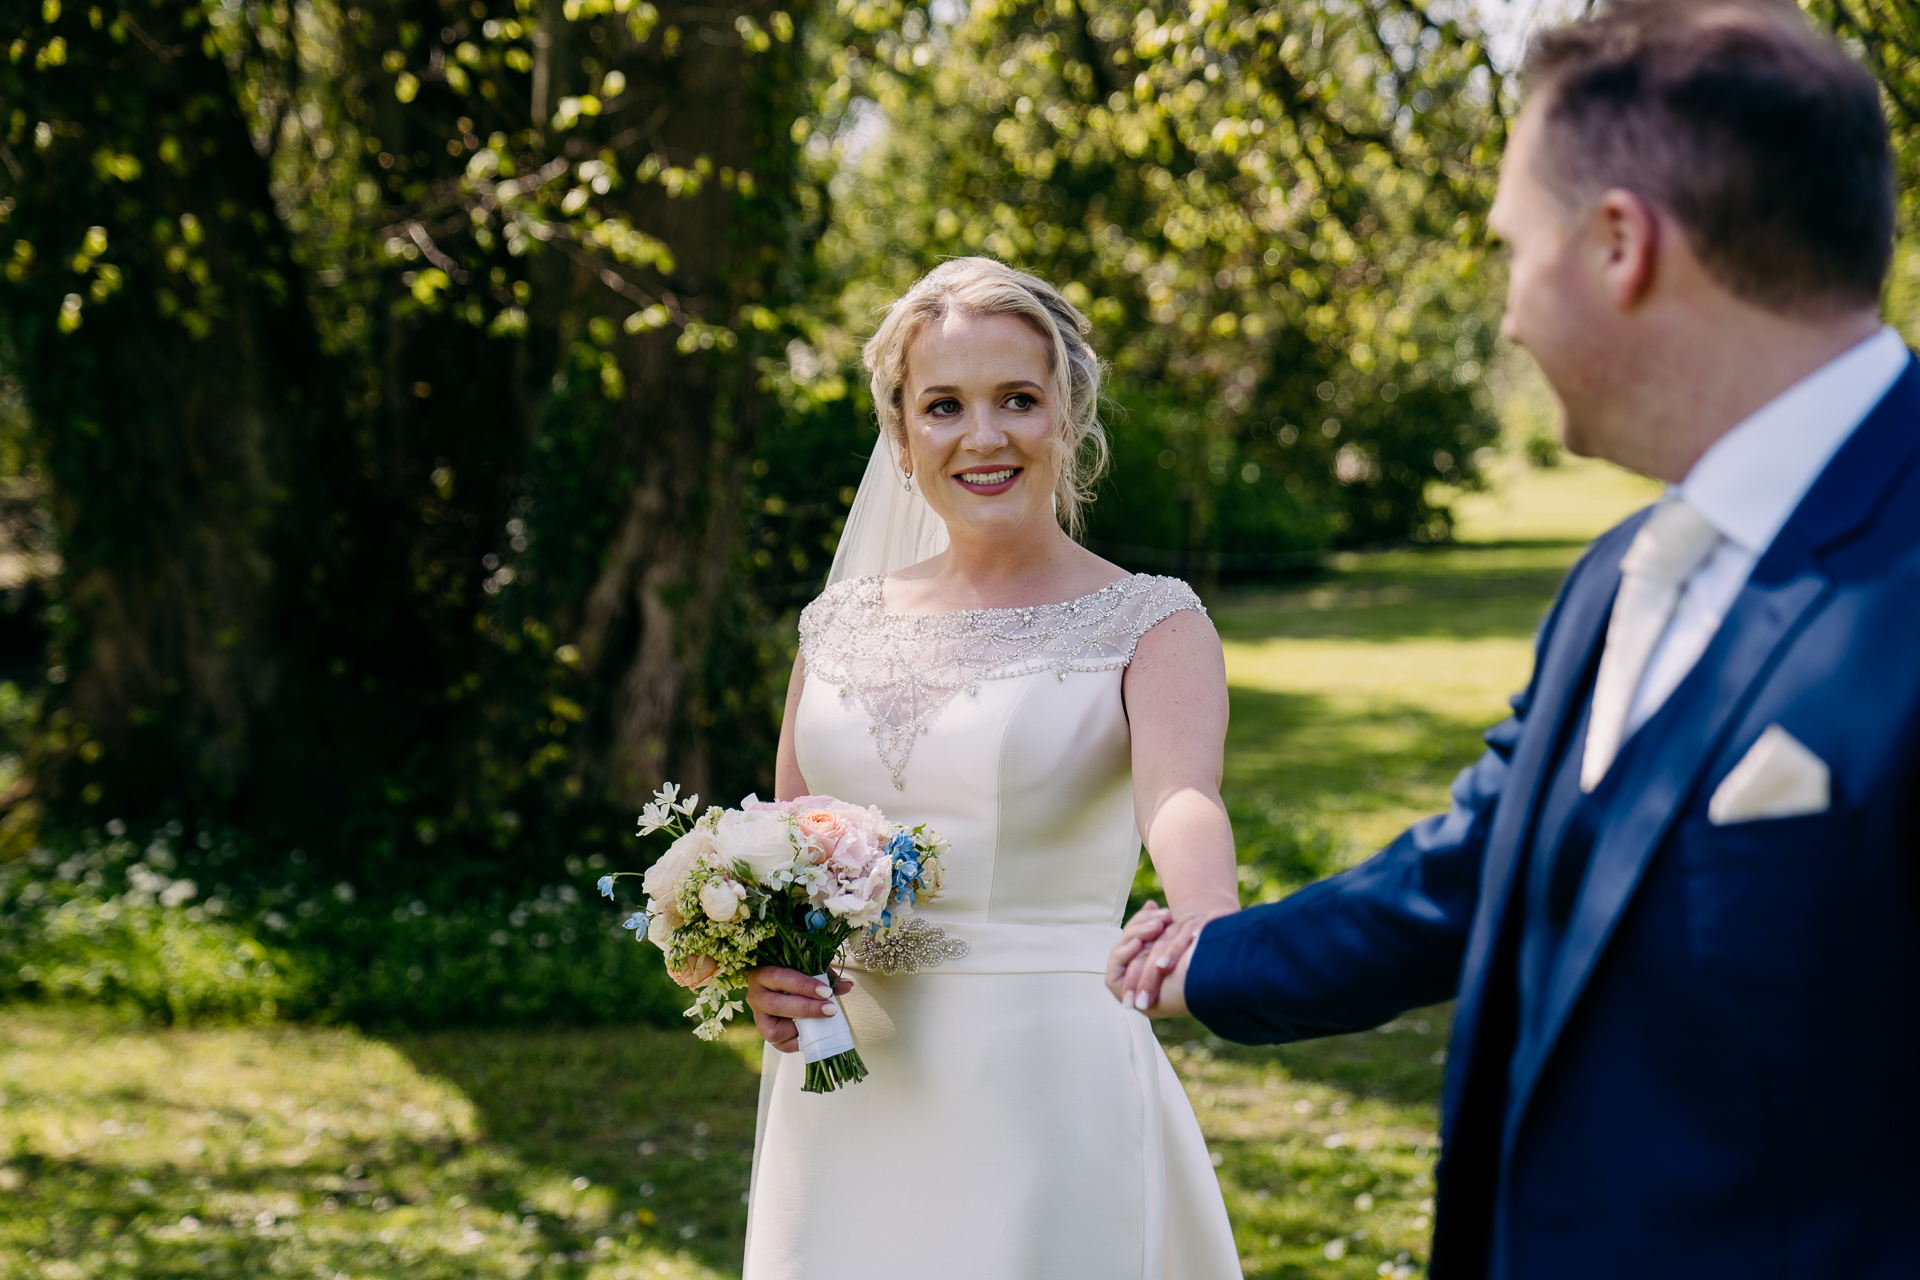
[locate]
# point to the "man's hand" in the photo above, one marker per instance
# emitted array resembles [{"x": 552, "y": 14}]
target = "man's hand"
[
  {"x": 1147, "y": 968},
  {"x": 778, "y": 996}
]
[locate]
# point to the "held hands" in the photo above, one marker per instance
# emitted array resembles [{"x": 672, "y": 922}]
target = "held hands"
[
  {"x": 1147, "y": 968},
  {"x": 778, "y": 996}
]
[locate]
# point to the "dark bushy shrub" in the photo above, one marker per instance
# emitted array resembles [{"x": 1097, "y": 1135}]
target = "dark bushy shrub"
[{"x": 173, "y": 928}]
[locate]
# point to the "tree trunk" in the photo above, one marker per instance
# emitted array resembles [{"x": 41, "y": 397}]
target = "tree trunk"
[
  {"x": 719, "y": 106},
  {"x": 164, "y": 357}
]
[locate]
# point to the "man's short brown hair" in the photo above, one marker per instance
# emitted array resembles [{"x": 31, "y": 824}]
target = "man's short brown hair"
[{"x": 1763, "y": 139}]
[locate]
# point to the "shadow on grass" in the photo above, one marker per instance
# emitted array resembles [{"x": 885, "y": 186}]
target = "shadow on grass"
[
  {"x": 660, "y": 1121},
  {"x": 1402, "y": 1062}
]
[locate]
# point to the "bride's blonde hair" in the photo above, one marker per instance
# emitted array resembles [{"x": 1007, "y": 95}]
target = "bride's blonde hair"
[{"x": 983, "y": 287}]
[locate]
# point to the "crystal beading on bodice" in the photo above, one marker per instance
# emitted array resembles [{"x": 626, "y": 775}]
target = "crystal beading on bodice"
[{"x": 905, "y": 668}]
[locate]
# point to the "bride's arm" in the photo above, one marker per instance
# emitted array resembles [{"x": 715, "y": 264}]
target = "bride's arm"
[
  {"x": 787, "y": 782},
  {"x": 1176, "y": 696}
]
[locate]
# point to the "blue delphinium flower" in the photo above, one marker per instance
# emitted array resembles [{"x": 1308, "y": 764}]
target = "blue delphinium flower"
[
  {"x": 606, "y": 886},
  {"x": 637, "y": 922},
  {"x": 816, "y": 919},
  {"x": 906, "y": 873}
]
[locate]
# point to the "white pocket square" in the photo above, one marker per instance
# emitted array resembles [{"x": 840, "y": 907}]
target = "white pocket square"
[{"x": 1777, "y": 778}]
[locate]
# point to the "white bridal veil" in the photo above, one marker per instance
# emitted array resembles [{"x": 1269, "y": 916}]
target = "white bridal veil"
[{"x": 889, "y": 528}]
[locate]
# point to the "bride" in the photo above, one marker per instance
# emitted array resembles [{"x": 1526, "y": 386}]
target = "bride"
[{"x": 972, "y": 667}]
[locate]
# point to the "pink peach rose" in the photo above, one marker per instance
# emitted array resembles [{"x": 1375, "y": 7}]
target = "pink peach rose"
[
  {"x": 822, "y": 829},
  {"x": 697, "y": 970}
]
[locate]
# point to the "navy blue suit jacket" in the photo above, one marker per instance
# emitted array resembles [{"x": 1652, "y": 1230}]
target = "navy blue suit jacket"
[{"x": 1729, "y": 1084}]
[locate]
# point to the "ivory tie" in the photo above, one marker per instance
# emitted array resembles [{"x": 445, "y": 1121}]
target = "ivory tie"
[{"x": 1675, "y": 541}]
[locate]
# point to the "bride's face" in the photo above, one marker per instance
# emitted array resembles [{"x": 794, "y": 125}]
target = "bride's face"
[{"x": 979, "y": 420}]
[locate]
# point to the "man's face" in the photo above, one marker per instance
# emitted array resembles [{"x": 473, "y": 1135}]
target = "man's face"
[{"x": 1552, "y": 308}]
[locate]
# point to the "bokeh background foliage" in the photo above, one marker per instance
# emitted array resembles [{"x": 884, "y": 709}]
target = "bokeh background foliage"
[
  {"x": 435, "y": 412},
  {"x": 421, "y": 420}
]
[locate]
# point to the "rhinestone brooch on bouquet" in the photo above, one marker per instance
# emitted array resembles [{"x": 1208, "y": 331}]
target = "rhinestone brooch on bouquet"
[{"x": 903, "y": 952}]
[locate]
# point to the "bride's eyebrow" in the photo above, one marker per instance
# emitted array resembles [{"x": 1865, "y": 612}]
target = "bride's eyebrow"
[{"x": 1020, "y": 384}]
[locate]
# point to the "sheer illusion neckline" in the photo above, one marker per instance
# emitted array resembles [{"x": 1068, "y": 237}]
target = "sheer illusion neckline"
[{"x": 1025, "y": 611}]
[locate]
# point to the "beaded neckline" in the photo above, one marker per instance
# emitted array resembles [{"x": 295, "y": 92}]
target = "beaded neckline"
[
  {"x": 904, "y": 668},
  {"x": 1025, "y": 610}
]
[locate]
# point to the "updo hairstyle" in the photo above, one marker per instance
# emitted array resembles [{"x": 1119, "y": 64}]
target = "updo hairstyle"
[{"x": 983, "y": 287}]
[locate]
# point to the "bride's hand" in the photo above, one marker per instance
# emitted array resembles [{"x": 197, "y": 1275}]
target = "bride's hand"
[
  {"x": 1136, "y": 942},
  {"x": 778, "y": 996},
  {"x": 1152, "y": 945}
]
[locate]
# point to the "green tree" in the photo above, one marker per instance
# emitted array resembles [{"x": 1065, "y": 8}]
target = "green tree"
[
  {"x": 396, "y": 370},
  {"x": 1273, "y": 216}
]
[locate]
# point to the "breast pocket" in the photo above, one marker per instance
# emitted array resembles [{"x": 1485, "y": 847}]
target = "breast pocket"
[{"x": 1761, "y": 896}]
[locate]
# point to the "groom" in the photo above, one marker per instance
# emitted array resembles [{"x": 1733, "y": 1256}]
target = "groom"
[{"x": 1678, "y": 899}]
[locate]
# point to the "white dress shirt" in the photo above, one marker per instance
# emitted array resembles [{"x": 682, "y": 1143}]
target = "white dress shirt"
[{"x": 1749, "y": 483}]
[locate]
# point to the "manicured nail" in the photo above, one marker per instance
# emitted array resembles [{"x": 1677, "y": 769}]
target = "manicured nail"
[
  {"x": 823, "y": 992},
  {"x": 829, "y": 1009},
  {"x": 1141, "y": 1002}
]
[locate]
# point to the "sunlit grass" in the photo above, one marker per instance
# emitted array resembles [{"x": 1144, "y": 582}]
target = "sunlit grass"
[{"x": 136, "y": 1151}]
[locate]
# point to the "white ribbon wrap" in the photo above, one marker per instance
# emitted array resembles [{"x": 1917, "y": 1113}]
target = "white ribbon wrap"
[{"x": 823, "y": 1038}]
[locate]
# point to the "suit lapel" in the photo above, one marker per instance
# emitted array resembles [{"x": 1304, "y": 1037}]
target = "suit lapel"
[
  {"x": 1576, "y": 637},
  {"x": 1786, "y": 588},
  {"x": 1660, "y": 776}
]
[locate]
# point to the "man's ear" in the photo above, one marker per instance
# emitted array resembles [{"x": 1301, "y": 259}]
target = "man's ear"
[{"x": 1627, "y": 251}]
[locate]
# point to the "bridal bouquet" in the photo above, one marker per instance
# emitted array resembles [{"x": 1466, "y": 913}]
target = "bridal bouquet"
[{"x": 786, "y": 883}]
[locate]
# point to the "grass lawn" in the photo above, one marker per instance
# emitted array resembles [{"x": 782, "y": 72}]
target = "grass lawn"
[{"x": 131, "y": 1151}]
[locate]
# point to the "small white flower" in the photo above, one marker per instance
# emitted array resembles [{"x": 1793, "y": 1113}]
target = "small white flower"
[
  {"x": 667, "y": 794},
  {"x": 654, "y": 817},
  {"x": 688, "y": 805}
]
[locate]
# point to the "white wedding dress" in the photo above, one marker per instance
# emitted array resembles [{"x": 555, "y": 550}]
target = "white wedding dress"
[{"x": 1018, "y": 1123}]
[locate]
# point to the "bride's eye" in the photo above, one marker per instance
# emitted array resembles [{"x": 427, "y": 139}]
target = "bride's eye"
[
  {"x": 944, "y": 407},
  {"x": 1021, "y": 400}
]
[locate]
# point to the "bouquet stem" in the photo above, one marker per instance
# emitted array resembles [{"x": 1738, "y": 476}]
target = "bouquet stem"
[
  {"x": 827, "y": 1045},
  {"x": 829, "y": 1074}
]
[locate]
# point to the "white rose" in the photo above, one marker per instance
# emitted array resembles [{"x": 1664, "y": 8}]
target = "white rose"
[
  {"x": 761, "y": 838},
  {"x": 720, "y": 899},
  {"x": 662, "y": 881},
  {"x": 660, "y": 931}
]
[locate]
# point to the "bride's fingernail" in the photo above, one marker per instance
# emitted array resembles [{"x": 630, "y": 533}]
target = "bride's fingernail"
[
  {"x": 823, "y": 992},
  {"x": 829, "y": 1008},
  {"x": 1141, "y": 1002}
]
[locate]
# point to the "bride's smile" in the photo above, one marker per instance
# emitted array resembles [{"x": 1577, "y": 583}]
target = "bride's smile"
[{"x": 988, "y": 479}]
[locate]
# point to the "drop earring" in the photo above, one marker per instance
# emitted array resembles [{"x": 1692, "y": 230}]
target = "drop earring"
[{"x": 907, "y": 483}]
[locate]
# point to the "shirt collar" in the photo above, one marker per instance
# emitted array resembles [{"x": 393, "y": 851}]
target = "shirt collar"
[{"x": 1751, "y": 479}]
